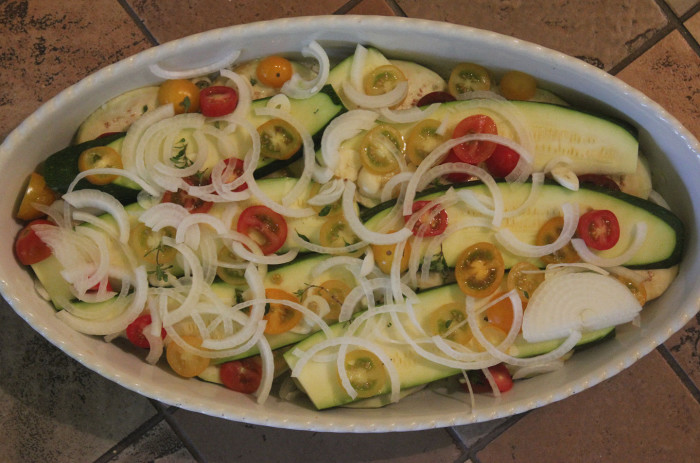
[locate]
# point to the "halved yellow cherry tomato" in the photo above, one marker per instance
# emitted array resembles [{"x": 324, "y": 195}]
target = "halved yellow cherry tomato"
[
  {"x": 448, "y": 321},
  {"x": 547, "y": 234},
  {"x": 281, "y": 318},
  {"x": 479, "y": 269},
  {"x": 380, "y": 147},
  {"x": 383, "y": 79},
  {"x": 366, "y": 373},
  {"x": 636, "y": 288},
  {"x": 422, "y": 140},
  {"x": 181, "y": 93},
  {"x": 326, "y": 210},
  {"x": 517, "y": 85},
  {"x": 524, "y": 277},
  {"x": 148, "y": 244},
  {"x": 500, "y": 314},
  {"x": 185, "y": 363},
  {"x": 36, "y": 192},
  {"x": 334, "y": 292},
  {"x": 384, "y": 255},
  {"x": 232, "y": 276},
  {"x": 468, "y": 77},
  {"x": 336, "y": 233},
  {"x": 100, "y": 157},
  {"x": 274, "y": 71},
  {"x": 278, "y": 139}
]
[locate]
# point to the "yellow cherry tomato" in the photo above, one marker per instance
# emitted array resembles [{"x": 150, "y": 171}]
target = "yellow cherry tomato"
[
  {"x": 380, "y": 147},
  {"x": 479, "y": 269},
  {"x": 181, "y": 93},
  {"x": 148, "y": 244},
  {"x": 449, "y": 322},
  {"x": 281, "y": 318},
  {"x": 383, "y": 79},
  {"x": 547, "y": 234},
  {"x": 36, "y": 192},
  {"x": 422, "y": 140},
  {"x": 500, "y": 314},
  {"x": 366, "y": 373},
  {"x": 334, "y": 292},
  {"x": 278, "y": 139},
  {"x": 637, "y": 288},
  {"x": 384, "y": 255},
  {"x": 232, "y": 276},
  {"x": 100, "y": 157},
  {"x": 524, "y": 277},
  {"x": 516, "y": 85},
  {"x": 185, "y": 363},
  {"x": 336, "y": 233},
  {"x": 274, "y": 71},
  {"x": 468, "y": 77}
]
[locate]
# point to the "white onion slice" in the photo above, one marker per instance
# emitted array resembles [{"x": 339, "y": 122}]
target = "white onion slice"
[
  {"x": 245, "y": 95},
  {"x": 514, "y": 245},
  {"x": 106, "y": 202},
  {"x": 576, "y": 302},
  {"x": 138, "y": 128},
  {"x": 329, "y": 193},
  {"x": 390, "y": 98},
  {"x": 299, "y": 88},
  {"x": 358, "y": 227},
  {"x": 225, "y": 61},
  {"x": 640, "y": 233},
  {"x": 342, "y": 128},
  {"x": 268, "y": 370},
  {"x": 407, "y": 116}
]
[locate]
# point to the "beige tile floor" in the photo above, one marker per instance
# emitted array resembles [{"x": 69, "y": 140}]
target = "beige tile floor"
[{"x": 53, "y": 409}]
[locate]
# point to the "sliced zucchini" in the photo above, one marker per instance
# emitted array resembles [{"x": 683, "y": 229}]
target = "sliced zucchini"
[{"x": 662, "y": 247}]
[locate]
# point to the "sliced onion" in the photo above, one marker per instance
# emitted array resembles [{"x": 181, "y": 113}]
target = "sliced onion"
[
  {"x": 280, "y": 102},
  {"x": 358, "y": 227},
  {"x": 245, "y": 95},
  {"x": 640, "y": 234},
  {"x": 407, "y": 116},
  {"x": 268, "y": 370},
  {"x": 103, "y": 201},
  {"x": 158, "y": 71},
  {"x": 342, "y": 128},
  {"x": 514, "y": 245},
  {"x": 138, "y": 128},
  {"x": 329, "y": 193},
  {"x": 299, "y": 88},
  {"x": 390, "y": 98}
]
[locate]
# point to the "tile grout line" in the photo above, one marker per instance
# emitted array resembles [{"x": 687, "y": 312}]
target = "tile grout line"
[
  {"x": 492, "y": 435},
  {"x": 396, "y": 8},
  {"x": 131, "y": 438},
  {"x": 347, "y": 7},
  {"x": 683, "y": 376},
  {"x": 679, "y": 23},
  {"x": 139, "y": 23},
  {"x": 182, "y": 435}
]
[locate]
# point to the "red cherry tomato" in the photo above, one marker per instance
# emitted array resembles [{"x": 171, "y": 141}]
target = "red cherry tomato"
[
  {"x": 599, "y": 229},
  {"x": 437, "y": 225},
  {"x": 502, "y": 161},
  {"x": 476, "y": 151},
  {"x": 217, "y": 100},
  {"x": 435, "y": 97},
  {"x": 501, "y": 377},
  {"x": 96, "y": 288},
  {"x": 29, "y": 248},
  {"x": 134, "y": 332},
  {"x": 455, "y": 177},
  {"x": 265, "y": 224},
  {"x": 241, "y": 375},
  {"x": 192, "y": 203},
  {"x": 599, "y": 180},
  {"x": 235, "y": 173}
]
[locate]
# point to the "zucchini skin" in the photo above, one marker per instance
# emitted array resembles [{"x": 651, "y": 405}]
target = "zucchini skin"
[{"x": 660, "y": 212}]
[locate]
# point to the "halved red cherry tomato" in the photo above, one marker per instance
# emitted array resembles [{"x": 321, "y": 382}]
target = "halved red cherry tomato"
[
  {"x": 422, "y": 228},
  {"x": 501, "y": 377},
  {"x": 217, "y": 100},
  {"x": 479, "y": 269},
  {"x": 599, "y": 180},
  {"x": 266, "y": 225},
  {"x": 280, "y": 317},
  {"x": 599, "y": 229},
  {"x": 274, "y": 71},
  {"x": 476, "y": 151},
  {"x": 502, "y": 161},
  {"x": 134, "y": 332},
  {"x": 235, "y": 167},
  {"x": 192, "y": 203},
  {"x": 96, "y": 288},
  {"x": 37, "y": 192},
  {"x": 435, "y": 97},
  {"x": 29, "y": 248},
  {"x": 242, "y": 375}
]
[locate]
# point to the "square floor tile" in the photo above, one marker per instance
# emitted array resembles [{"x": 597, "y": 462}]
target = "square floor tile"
[
  {"x": 644, "y": 414},
  {"x": 599, "y": 32},
  {"x": 222, "y": 441},
  {"x": 54, "y": 409}
]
